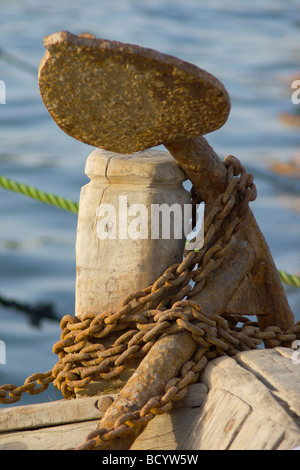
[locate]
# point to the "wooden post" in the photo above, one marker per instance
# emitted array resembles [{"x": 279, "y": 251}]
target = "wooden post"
[{"x": 115, "y": 250}]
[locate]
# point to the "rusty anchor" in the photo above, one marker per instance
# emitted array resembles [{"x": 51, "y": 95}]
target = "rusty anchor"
[{"x": 125, "y": 98}]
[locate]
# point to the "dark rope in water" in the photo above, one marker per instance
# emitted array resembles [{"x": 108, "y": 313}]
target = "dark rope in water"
[{"x": 36, "y": 313}]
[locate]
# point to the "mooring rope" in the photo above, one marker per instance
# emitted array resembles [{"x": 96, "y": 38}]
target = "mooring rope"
[
  {"x": 39, "y": 195},
  {"x": 36, "y": 313},
  {"x": 289, "y": 279}
]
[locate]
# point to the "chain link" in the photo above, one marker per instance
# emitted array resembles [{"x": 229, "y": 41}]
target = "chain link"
[{"x": 160, "y": 309}]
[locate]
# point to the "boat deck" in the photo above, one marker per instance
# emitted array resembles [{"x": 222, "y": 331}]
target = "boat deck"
[{"x": 249, "y": 402}]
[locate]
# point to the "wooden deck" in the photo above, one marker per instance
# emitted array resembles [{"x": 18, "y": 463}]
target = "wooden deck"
[{"x": 250, "y": 402}]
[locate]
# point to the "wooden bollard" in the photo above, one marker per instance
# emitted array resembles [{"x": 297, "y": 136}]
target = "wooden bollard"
[{"x": 119, "y": 248}]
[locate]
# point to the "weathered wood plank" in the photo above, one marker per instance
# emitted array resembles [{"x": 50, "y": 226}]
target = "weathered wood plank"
[
  {"x": 53, "y": 434},
  {"x": 251, "y": 405},
  {"x": 267, "y": 426},
  {"x": 47, "y": 414},
  {"x": 217, "y": 423},
  {"x": 54, "y": 438},
  {"x": 275, "y": 368},
  {"x": 168, "y": 431},
  {"x": 259, "y": 433},
  {"x": 240, "y": 412}
]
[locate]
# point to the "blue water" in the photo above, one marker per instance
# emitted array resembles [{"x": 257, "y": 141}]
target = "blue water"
[{"x": 252, "y": 46}]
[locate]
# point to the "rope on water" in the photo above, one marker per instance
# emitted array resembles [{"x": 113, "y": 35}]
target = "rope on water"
[
  {"x": 19, "y": 63},
  {"x": 39, "y": 195},
  {"x": 290, "y": 279}
]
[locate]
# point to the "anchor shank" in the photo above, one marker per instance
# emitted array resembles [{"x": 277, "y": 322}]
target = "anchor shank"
[
  {"x": 201, "y": 164},
  {"x": 250, "y": 263}
]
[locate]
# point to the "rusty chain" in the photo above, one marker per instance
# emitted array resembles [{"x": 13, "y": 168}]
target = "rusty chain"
[{"x": 160, "y": 309}]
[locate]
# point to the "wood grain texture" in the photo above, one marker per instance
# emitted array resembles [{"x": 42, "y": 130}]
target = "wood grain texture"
[
  {"x": 246, "y": 406},
  {"x": 252, "y": 404}
]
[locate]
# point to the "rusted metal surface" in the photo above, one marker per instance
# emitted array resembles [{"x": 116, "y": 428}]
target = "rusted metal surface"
[
  {"x": 126, "y": 98},
  {"x": 174, "y": 328},
  {"x": 248, "y": 280}
]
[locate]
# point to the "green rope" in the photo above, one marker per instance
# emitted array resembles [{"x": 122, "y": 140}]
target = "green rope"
[
  {"x": 39, "y": 195},
  {"x": 290, "y": 279}
]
